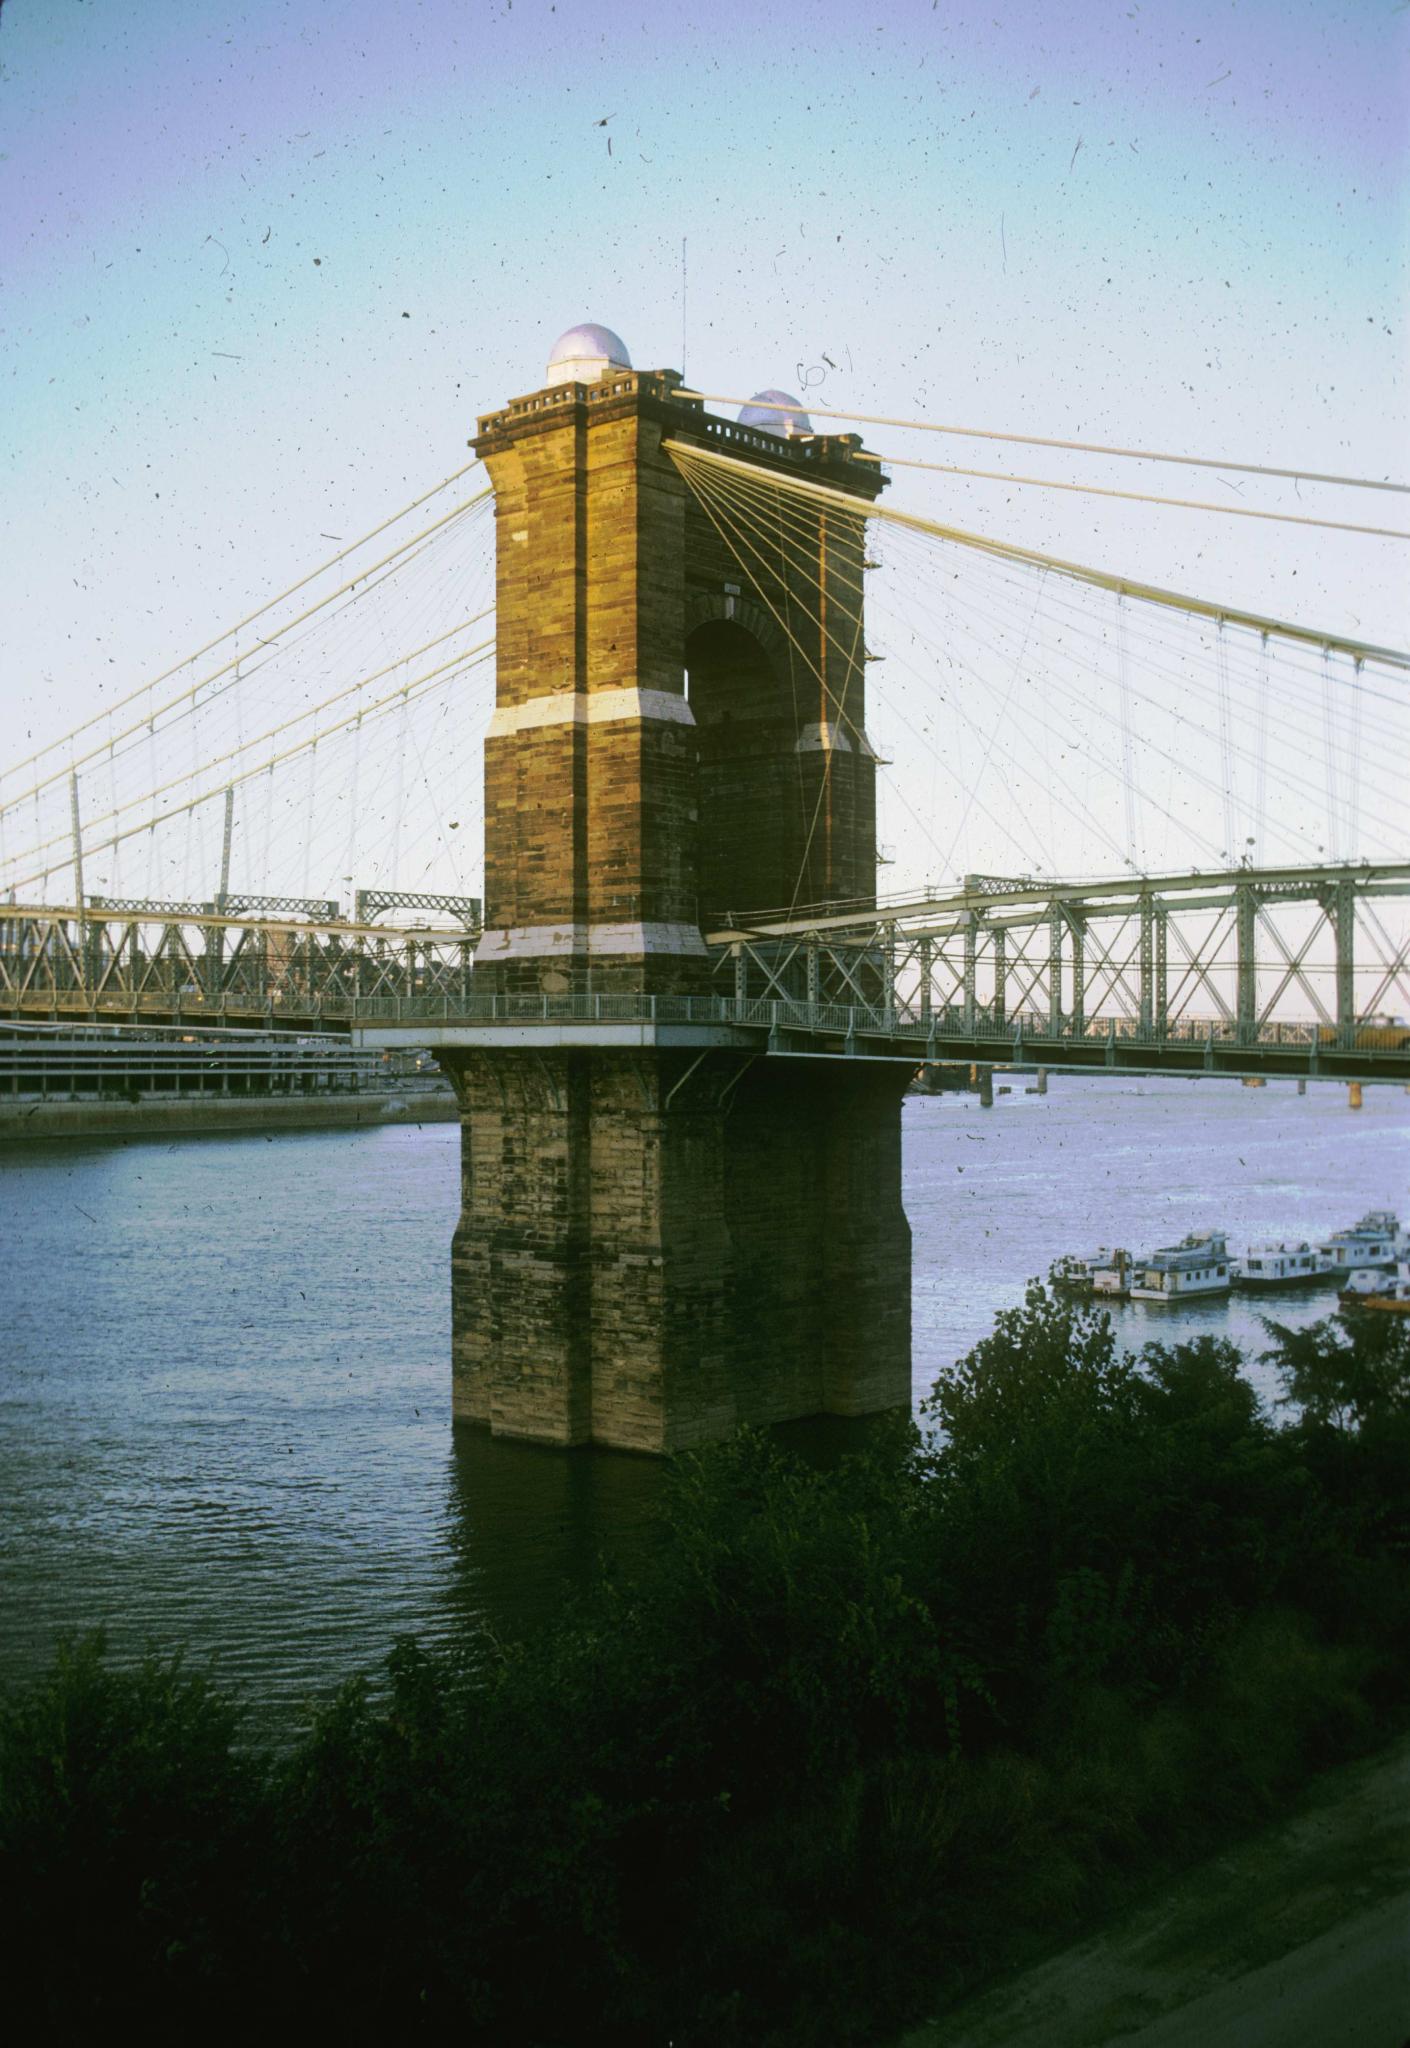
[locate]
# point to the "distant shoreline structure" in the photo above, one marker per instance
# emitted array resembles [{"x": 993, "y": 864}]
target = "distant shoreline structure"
[{"x": 22, "y": 1123}]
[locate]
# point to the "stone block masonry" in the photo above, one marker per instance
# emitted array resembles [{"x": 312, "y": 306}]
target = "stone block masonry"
[{"x": 656, "y": 1245}]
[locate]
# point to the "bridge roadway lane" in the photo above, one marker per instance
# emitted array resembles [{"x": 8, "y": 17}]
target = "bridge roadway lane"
[{"x": 827, "y": 1031}]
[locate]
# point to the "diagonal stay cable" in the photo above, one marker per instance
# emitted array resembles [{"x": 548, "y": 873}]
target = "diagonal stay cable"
[
  {"x": 1147, "y": 593},
  {"x": 240, "y": 624},
  {"x": 875, "y": 419},
  {"x": 266, "y": 641}
]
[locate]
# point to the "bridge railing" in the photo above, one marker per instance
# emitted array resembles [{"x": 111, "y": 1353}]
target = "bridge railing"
[
  {"x": 850, "y": 1021},
  {"x": 1226, "y": 953}
]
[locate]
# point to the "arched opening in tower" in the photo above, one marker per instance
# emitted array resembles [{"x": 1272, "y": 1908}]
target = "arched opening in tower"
[{"x": 753, "y": 803}]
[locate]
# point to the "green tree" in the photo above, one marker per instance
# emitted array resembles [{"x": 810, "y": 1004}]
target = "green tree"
[
  {"x": 131, "y": 1845},
  {"x": 1346, "y": 1370}
]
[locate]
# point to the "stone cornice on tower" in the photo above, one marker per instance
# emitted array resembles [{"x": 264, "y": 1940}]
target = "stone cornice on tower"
[{"x": 836, "y": 459}]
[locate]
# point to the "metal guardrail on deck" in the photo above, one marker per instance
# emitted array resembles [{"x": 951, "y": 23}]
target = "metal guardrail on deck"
[
  {"x": 840, "y": 1029},
  {"x": 826, "y": 1019}
]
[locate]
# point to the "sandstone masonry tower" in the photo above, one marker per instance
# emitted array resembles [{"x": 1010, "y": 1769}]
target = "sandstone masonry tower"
[{"x": 661, "y": 1233}]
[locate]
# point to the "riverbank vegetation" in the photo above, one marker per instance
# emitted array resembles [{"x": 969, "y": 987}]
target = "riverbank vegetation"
[{"x": 855, "y": 1738}]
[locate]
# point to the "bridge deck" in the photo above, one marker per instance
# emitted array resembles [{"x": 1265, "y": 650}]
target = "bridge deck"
[{"x": 791, "y": 1030}]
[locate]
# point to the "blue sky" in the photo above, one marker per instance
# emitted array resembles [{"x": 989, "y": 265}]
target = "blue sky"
[{"x": 262, "y": 265}]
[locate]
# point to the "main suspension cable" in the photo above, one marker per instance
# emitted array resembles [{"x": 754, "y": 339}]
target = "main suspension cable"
[
  {"x": 185, "y": 696},
  {"x": 877, "y": 419},
  {"x": 685, "y": 453},
  {"x": 1047, "y": 483}
]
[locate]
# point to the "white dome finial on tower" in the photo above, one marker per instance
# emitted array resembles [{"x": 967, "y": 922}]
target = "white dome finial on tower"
[
  {"x": 776, "y": 412},
  {"x": 585, "y": 354}
]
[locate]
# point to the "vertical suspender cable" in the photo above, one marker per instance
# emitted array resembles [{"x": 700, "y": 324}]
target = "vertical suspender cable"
[
  {"x": 77, "y": 842},
  {"x": 1128, "y": 762},
  {"x": 310, "y": 806},
  {"x": 1260, "y": 785},
  {"x": 188, "y": 883},
  {"x": 151, "y": 885},
  {"x": 1226, "y": 747},
  {"x": 394, "y": 864},
  {"x": 266, "y": 887},
  {"x": 1353, "y": 764},
  {"x": 224, "y": 890},
  {"x": 825, "y": 727},
  {"x": 1329, "y": 742},
  {"x": 350, "y": 854},
  {"x": 115, "y": 885}
]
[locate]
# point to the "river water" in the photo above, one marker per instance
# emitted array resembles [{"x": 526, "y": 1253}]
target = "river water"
[{"x": 224, "y": 1379}]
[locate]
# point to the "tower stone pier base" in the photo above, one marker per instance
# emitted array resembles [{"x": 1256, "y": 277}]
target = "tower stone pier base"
[{"x": 655, "y": 1246}]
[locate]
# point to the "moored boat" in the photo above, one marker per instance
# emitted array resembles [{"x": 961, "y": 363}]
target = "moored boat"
[
  {"x": 1114, "y": 1277},
  {"x": 1198, "y": 1265},
  {"x": 1101, "y": 1272},
  {"x": 1377, "y": 1240},
  {"x": 1371, "y": 1287},
  {"x": 1282, "y": 1264}
]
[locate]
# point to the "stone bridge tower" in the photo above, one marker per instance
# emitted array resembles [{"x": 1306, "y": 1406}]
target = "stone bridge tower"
[{"x": 662, "y": 1233}]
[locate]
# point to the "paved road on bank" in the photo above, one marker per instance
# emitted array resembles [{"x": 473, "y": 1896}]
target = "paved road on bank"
[{"x": 1299, "y": 1938}]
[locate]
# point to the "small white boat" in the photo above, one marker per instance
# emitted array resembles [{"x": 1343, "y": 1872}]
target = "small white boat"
[
  {"x": 1197, "y": 1266},
  {"x": 1282, "y": 1264},
  {"x": 1377, "y": 1240},
  {"x": 1372, "y": 1287},
  {"x": 1100, "y": 1272},
  {"x": 1361, "y": 1280}
]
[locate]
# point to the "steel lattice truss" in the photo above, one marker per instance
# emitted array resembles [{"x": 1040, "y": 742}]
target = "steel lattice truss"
[
  {"x": 466, "y": 910},
  {"x": 1317, "y": 956},
  {"x": 165, "y": 964},
  {"x": 1250, "y": 970}
]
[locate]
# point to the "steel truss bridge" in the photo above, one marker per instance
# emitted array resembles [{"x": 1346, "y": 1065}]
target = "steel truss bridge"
[
  {"x": 1296, "y": 971},
  {"x": 1301, "y": 971},
  {"x": 299, "y": 969}
]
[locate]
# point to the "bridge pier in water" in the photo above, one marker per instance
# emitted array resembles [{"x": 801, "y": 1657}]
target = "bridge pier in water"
[
  {"x": 655, "y": 1247},
  {"x": 662, "y": 1233}
]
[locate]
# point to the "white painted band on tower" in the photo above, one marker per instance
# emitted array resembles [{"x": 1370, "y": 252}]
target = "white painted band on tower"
[{"x": 590, "y": 707}]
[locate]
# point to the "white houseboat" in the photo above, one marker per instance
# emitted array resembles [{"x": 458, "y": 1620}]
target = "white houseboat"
[
  {"x": 1196, "y": 1266},
  {"x": 1377, "y": 1240},
  {"x": 1282, "y": 1265}
]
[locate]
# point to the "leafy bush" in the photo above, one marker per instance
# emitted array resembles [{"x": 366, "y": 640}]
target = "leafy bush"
[
  {"x": 852, "y": 1738},
  {"x": 1346, "y": 1371},
  {"x": 130, "y": 1839}
]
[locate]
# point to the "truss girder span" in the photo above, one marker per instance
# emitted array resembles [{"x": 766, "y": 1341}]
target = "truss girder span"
[
  {"x": 1244, "y": 952},
  {"x": 65, "y": 964},
  {"x": 1310, "y": 962}
]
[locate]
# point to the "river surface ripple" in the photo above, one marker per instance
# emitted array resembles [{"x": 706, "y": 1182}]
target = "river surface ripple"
[{"x": 224, "y": 1377}]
